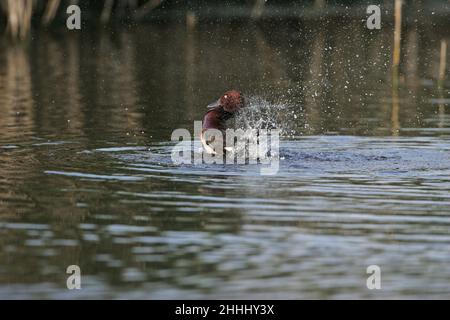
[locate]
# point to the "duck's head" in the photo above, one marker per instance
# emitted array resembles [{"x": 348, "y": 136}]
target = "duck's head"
[
  {"x": 218, "y": 113},
  {"x": 231, "y": 102}
]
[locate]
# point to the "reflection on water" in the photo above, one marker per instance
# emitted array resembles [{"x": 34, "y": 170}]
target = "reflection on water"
[{"x": 86, "y": 176}]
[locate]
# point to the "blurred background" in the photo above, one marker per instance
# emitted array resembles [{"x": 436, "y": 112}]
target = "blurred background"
[
  {"x": 86, "y": 118},
  {"x": 317, "y": 54}
]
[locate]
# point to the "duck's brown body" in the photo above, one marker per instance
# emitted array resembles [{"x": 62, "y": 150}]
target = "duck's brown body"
[
  {"x": 216, "y": 119},
  {"x": 217, "y": 115}
]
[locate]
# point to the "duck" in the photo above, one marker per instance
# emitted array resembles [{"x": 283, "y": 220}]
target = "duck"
[{"x": 216, "y": 117}]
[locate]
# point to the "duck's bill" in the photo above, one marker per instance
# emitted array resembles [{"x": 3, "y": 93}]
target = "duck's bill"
[{"x": 214, "y": 104}]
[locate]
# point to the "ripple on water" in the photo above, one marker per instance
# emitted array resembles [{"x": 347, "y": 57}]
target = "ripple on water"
[{"x": 336, "y": 205}]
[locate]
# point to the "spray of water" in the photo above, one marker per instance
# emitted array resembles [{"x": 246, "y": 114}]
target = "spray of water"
[{"x": 261, "y": 114}]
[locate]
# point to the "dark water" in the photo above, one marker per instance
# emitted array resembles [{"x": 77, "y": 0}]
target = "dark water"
[{"x": 86, "y": 176}]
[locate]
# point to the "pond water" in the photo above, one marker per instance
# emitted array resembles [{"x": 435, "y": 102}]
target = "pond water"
[{"x": 86, "y": 176}]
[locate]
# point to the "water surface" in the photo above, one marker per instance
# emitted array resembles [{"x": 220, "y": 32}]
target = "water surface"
[{"x": 87, "y": 179}]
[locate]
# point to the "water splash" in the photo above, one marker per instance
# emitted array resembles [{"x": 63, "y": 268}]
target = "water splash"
[{"x": 262, "y": 114}]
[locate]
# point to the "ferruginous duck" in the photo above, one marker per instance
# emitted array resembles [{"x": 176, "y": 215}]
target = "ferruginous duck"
[{"x": 217, "y": 115}]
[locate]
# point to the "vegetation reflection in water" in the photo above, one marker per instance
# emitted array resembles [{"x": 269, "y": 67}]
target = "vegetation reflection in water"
[{"x": 86, "y": 176}]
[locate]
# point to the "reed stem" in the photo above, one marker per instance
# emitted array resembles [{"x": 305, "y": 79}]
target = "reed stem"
[
  {"x": 19, "y": 17},
  {"x": 442, "y": 63},
  {"x": 106, "y": 11},
  {"x": 395, "y": 119},
  {"x": 441, "y": 79},
  {"x": 397, "y": 33},
  {"x": 258, "y": 9},
  {"x": 50, "y": 11}
]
